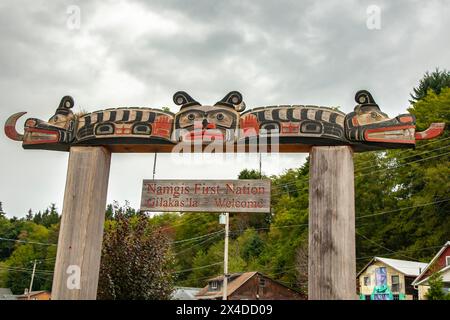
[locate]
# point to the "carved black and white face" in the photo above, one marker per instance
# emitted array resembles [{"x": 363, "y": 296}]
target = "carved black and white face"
[
  {"x": 218, "y": 123},
  {"x": 207, "y": 123}
]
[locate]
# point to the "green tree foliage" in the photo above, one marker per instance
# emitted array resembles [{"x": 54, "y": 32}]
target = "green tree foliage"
[
  {"x": 136, "y": 261},
  {"x": 436, "y": 290},
  {"x": 431, "y": 82},
  {"x": 47, "y": 218},
  {"x": 251, "y": 174},
  {"x": 432, "y": 108},
  {"x": 36, "y": 245}
]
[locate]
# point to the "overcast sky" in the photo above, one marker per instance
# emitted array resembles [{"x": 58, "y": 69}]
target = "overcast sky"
[{"x": 139, "y": 53}]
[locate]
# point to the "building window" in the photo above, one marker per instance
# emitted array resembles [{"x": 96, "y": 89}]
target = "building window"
[
  {"x": 395, "y": 284},
  {"x": 366, "y": 281},
  {"x": 447, "y": 260},
  {"x": 262, "y": 282},
  {"x": 214, "y": 285}
]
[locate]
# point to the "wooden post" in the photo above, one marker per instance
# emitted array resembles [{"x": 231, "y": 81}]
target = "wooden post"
[
  {"x": 81, "y": 231},
  {"x": 225, "y": 258},
  {"x": 332, "y": 264}
]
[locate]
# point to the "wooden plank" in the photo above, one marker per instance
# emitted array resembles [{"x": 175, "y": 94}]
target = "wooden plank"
[
  {"x": 81, "y": 231},
  {"x": 206, "y": 195},
  {"x": 332, "y": 264}
]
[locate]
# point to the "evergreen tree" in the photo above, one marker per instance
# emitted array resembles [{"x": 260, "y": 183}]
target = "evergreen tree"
[
  {"x": 434, "y": 81},
  {"x": 2, "y": 214},
  {"x": 29, "y": 215},
  {"x": 436, "y": 291}
]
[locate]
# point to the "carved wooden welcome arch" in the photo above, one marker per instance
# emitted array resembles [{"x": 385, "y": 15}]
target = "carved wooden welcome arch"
[{"x": 329, "y": 135}]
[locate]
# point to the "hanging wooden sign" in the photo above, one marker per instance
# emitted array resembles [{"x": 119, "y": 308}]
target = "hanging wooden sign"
[{"x": 206, "y": 195}]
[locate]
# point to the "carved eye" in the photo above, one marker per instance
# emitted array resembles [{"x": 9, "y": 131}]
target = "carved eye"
[
  {"x": 105, "y": 128},
  {"x": 191, "y": 116},
  {"x": 219, "y": 116},
  {"x": 374, "y": 115}
]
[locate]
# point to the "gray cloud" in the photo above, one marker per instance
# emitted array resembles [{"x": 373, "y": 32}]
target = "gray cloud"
[{"x": 138, "y": 53}]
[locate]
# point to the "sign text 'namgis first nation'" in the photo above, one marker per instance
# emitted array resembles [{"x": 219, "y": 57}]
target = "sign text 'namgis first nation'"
[{"x": 206, "y": 195}]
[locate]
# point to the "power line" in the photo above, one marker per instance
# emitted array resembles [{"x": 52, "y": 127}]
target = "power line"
[
  {"x": 410, "y": 156},
  {"x": 28, "y": 242},
  {"x": 199, "y": 237},
  {"x": 404, "y": 164},
  {"x": 304, "y": 179},
  {"x": 412, "y": 207},
  {"x": 405, "y": 250},
  {"x": 379, "y": 245},
  {"x": 197, "y": 244},
  {"x": 424, "y": 145},
  {"x": 19, "y": 269},
  {"x": 196, "y": 268}
]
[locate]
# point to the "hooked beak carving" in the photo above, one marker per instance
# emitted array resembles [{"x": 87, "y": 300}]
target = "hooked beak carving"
[
  {"x": 435, "y": 130},
  {"x": 10, "y": 127}
]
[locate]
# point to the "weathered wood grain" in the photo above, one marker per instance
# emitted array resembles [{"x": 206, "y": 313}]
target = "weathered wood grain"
[
  {"x": 81, "y": 230},
  {"x": 332, "y": 266}
]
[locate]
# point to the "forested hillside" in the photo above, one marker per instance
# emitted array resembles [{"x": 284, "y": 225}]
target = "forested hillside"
[{"x": 402, "y": 211}]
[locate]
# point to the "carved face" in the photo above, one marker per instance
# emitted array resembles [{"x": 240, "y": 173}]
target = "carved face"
[
  {"x": 206, "y": 123},
  {"x": 371, "y": 125}
]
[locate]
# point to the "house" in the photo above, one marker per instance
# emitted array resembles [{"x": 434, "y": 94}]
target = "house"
[
  {"x": 184, "y": 293},
  {"x": 389, "y": 279},
  {"x": 35, "y": 295},
  {"x": 440, "y": 263},
  {"x": 6, "y": 294},
  {"x": 248, "y": 286}
]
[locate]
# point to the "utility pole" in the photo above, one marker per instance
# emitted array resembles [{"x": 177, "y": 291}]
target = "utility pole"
[
  {"x": 32, "y": 278},
  {"x": 154, "y": 166},
  {"x": 225, "y": 257},
  {"x": 260, "y": 165}
]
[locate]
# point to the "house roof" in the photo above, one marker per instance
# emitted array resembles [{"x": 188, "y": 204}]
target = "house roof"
[
  {"x": 6, "y": 294},
  {"x": 236, "y": 280},
  {"x": 408, "y": 268},
  {"x": 185, "y": 293},
  {"x": 424, "y": 270},
  {"x": 5, "y": 291},
  {"x": 239, "y": 280},
  {"x": 443, "y": 271},
  {"x": 32, "y": 293}
]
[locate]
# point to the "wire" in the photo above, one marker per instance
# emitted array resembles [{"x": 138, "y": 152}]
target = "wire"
[
  {"x": 197, "y": 244},
  {"x": 406, "y": 250},
  {"x": 379, "y": 245},
  {"x": 202, "y": 267},
  {"x": 404, "y": 164},
  {"x": 19, "y": 269},
  {"x": 199, "y": 237},
  {"x": 282, "y": 191},
  {"x": 412, "y": 207},
  {"x": 30, "y": 242},
  {"x": 410, "y": 156}
]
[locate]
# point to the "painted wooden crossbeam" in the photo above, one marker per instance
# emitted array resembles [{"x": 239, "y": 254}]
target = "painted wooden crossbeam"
[{"x": 222, "y": 127}]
